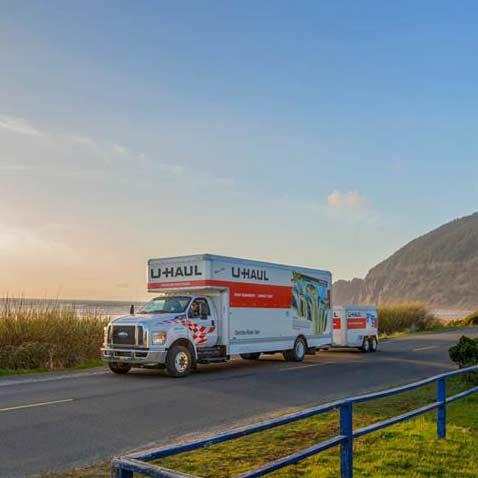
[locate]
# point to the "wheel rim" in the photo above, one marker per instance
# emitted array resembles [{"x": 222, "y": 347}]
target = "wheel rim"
[
  {"x": 181, "y": 362},
  {"x": 374, "y": 344},
  {"x": 299, "y": 349},
  {"x": 366, "y": 345}
]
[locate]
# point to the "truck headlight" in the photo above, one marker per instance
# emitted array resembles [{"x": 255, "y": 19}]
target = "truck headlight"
[{"x": 159, "y": 338}]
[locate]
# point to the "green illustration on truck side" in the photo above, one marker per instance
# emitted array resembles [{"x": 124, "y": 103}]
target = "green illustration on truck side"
[{"x": 310, "y": 300}]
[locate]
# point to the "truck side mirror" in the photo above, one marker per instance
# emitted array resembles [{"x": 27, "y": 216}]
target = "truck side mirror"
[{"x": 131, "y": 309}]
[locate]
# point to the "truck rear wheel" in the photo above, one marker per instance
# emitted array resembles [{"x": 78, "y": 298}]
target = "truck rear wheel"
[
  {"x": 119, "y": 368},
  {"x": 365, "y": 345},
  {"x": 297, "y": 354},
  {"x": 373, "y": 344},
  {"x": 254, "y": 356},
  {"x": 179, "y": 361}
]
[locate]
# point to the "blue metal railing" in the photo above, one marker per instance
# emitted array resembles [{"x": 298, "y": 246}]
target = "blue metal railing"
[{"x": 124, "y": 467}]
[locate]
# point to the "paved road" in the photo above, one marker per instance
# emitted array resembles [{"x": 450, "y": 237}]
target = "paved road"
[{"x": 58, "y": 421}]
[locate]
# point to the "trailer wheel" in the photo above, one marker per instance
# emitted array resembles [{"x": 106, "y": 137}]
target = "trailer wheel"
[
  {"x": 365, "y": 345},
  {"x": 297, "y": 354},
  {"x": 119, "y": 368},
  {"x": 254, "y": 356},
  {"x": 373, "y": 344},
  {"x": 178, "y": 362}
]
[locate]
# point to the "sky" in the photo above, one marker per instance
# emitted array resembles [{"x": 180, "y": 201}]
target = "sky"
[{"x": 323, "y": 134}]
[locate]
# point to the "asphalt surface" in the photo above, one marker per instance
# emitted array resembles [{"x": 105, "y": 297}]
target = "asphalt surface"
[{"x": 58, "y": 421}]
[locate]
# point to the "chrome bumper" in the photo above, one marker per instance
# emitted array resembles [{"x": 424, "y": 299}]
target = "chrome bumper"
[{"x": 133, "y": 356}]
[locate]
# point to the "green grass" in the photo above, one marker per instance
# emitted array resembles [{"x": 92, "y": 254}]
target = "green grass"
[
  {"x": 21, "y": 371},
  {"x": 410, "y": 449},
  {"x": 92, "y": 363}
]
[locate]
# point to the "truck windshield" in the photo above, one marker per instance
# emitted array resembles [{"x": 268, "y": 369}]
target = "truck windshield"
[{"x": 166, "y": 305}]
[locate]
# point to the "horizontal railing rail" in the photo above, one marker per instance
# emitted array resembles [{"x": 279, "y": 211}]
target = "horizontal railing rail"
[{"x": 125, "y": 466}]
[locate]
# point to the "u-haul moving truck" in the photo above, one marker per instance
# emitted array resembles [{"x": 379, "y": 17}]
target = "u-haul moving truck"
[
  {"x": 209, "y": 307},
  {"x": 356, "y": 326}
]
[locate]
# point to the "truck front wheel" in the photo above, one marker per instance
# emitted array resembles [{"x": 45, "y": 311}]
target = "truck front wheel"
[
  {"x": 179, "y": 362},
  {"x": 119, "y": 368}
]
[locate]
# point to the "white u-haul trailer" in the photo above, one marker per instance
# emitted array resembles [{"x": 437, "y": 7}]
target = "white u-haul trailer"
[
  {"x": 356, "y": 326},
  {"x": 210, "y": 307}
]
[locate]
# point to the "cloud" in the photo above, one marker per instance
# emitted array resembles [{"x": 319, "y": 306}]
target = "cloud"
[
  {"x": 351, "y": 200},
  {"x": 19, "y": 125}
]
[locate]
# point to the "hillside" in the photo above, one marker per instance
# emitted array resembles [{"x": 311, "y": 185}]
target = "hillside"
[{"x": 439, "y": 268}]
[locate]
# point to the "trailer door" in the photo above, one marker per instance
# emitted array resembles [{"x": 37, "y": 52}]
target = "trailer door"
[{"x": 339, "y": 328}]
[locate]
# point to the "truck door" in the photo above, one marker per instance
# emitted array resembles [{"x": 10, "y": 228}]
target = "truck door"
[{"x": 202, "y": 322}]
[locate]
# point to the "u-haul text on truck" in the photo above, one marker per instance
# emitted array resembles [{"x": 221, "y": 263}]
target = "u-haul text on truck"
[{"x": 207, "y": 308}]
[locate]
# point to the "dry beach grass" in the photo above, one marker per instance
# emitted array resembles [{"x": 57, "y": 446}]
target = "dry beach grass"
[{"x": 47, "y": 335}]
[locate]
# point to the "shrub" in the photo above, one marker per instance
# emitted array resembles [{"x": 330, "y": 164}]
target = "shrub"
[
  {"x": 31, "y": 355},
  {"x": 465, "y": 352},
  {"x": 471, "y": 319},
  {"x": 413, "y": 316},
  {"x": 48, "y": 335}
]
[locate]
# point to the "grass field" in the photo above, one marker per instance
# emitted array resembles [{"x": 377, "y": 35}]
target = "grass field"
[{"x": 408, "y": 450}]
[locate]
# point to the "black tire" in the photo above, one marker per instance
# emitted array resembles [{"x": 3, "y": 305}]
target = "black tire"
[
  {"x": 365, "y": 345},
  {"x": 119, "y": 368},
  {"x": 297, "y": 354},
  {"x": 254, "y": 356},
  {"x": 179, "y": 361},
  {"x": 373, "y": 344}
]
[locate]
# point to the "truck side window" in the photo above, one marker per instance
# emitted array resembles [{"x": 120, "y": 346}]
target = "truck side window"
[{"x": 199, "y": 308}]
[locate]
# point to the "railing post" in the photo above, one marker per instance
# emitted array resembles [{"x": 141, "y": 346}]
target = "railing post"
[
  {"x": 441, "y": 412},
  {"x": 346, "y": 447},
  {"x": 118, "y": 472}
]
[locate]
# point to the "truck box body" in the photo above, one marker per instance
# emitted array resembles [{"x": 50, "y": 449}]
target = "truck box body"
[
  {"x": 262, "y": 307},
  {"x": 352, "y": 323}
]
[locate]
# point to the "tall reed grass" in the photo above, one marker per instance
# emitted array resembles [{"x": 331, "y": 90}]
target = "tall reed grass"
[
  {"x": 406, "y": 317},
  {"x": 48, "y": 335}
]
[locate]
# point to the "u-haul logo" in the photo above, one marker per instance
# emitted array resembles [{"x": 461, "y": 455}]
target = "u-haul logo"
[
  {"x": 246, "y": 273},
  {"x": 175, "y": 272}
]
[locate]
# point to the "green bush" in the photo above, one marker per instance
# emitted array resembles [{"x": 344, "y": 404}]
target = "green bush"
[
  {"x": 465, "y": 352},
  {"x": 407, "y": 317},
  {"x": 48, "y": 336}
]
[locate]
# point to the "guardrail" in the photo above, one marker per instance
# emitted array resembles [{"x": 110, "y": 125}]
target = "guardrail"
[{"x": 124, "y": 467}]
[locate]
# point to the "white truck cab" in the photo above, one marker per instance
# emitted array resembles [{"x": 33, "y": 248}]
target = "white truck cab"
[{"x": 186, "y": 323}]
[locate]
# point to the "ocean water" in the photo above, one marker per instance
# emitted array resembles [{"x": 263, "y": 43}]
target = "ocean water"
[{"x": 104, "y": 307}]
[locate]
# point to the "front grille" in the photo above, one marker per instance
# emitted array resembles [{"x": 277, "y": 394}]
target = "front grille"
[{"x": 125, "y": 334}]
